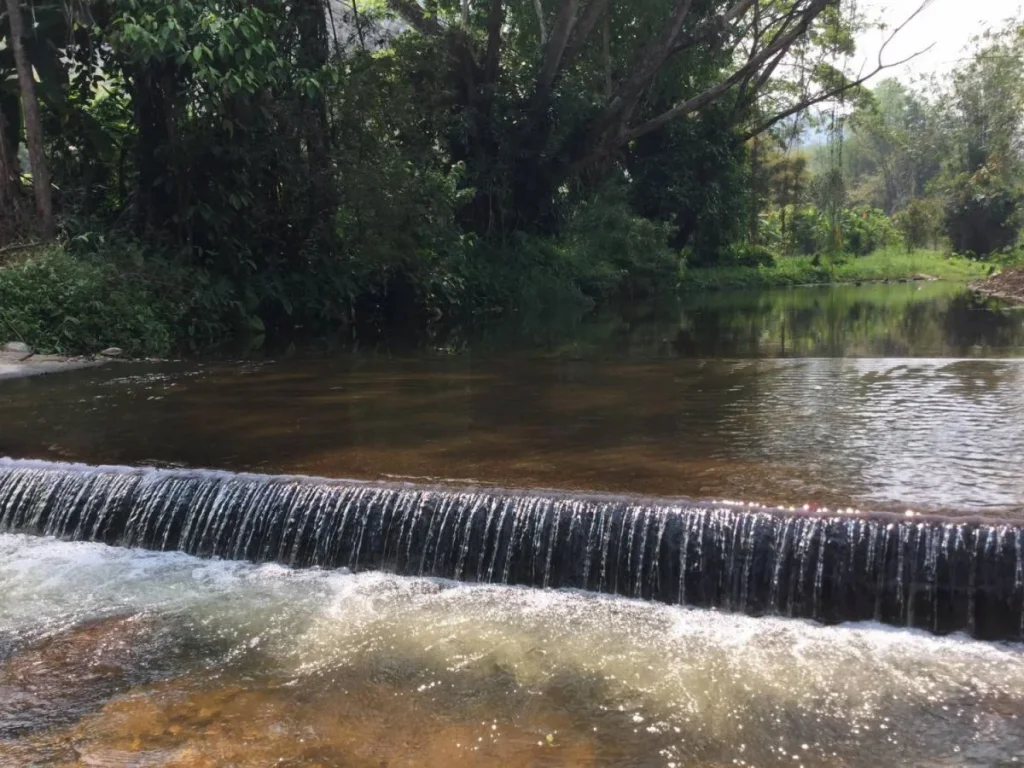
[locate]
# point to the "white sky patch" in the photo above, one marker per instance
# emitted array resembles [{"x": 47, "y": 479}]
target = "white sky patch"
[{"x": 949, "y": 24}]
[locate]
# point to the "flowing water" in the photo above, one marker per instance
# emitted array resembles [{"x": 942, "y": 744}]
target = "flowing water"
[
  {"x": 881, "y": 397},
  {"x": 175, "y": 661}
]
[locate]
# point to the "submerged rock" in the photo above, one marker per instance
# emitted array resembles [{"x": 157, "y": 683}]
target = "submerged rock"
[{"x": 63, "y": 676}]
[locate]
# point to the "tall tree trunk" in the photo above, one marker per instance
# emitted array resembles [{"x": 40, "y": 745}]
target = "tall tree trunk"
[
  {"x": 33, "y": 124},
  {"x": 152, "y": 95},
  {"x": 312, "y": 55},
  {"x": 8, "y": 178},
  {"x": 755, "y": 172}
]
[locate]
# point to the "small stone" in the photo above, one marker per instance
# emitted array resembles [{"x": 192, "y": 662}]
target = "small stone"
[
  {"x": 18, "y": 347},
  {"x": 112, "y": 352}
]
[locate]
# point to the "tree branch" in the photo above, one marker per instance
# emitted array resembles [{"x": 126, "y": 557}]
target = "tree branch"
[
  {"x": 832, "y": 93},
  {"x": 556, "y": 46},
  {"x": 19, "y": 247},
  {"x": 650, "y": 61},
  {"x": 591, "y": 15},
  {"x": 713, "y": 27},
  {"x": 826, "y": 95},
  {"x": 495, "y": 19},
  {"x": 782, "y": 43},
  {"x": 538, "y": 6},
  {"x": 414, "y": 15}
]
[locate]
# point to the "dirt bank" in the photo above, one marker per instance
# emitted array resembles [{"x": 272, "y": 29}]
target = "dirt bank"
[
  {"x": 16, "y": 365},
  {"x": 1007, "y": 285}
]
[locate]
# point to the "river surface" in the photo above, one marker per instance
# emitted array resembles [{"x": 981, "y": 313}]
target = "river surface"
[{"x": 879, "y": 397}]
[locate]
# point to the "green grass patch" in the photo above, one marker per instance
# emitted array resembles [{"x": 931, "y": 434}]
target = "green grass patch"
[{"x": 882, "y": 265}]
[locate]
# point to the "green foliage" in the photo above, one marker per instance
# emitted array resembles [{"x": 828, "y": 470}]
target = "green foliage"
[
  {"x": 983, "y": 213},
  {"x": 885, "y": 265},
  {"x": 58, "y": 303},
  {"x": 618, "y": 251},
  {"x": 920, "y": 223},
  {"x": 254, "y": 167},
  {"x": 607, "y": 252},
  {"x": 866, "y": 230},
  {"x": 693, "y": 176},
  {"x": 806, "y": 230},
  {"x": 749, "y": 255}
]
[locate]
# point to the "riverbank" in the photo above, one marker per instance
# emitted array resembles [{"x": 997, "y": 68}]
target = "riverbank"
[
  {"x": 881, "y": 266},
  {"x": 1007, "y": 285},
  {"x": 16, "y": 365}
]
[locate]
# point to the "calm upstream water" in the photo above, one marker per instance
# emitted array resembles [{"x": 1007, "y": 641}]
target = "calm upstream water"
[
  {"x": 883, "y": 397},
  {"x": 880, "y": 397}
]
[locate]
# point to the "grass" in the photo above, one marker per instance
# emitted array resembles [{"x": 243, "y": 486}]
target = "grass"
[{"x": 891, "y": 264}]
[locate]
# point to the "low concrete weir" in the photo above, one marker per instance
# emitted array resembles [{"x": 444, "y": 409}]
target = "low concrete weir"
[{"x": 939, "y": 574}]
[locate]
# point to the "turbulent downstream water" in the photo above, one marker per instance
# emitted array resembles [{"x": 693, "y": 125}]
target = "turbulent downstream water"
[
  {"x": 941, "y": 575},
  {"x": 885, "y": 398},
  {"x": 132, "y": 658}
]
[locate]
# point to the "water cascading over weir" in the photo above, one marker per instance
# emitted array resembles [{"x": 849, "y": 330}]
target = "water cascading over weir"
[{"x": 942, "y": 575}]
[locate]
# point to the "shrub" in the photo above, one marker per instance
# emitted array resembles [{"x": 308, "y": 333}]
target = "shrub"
[
  {"x": 804, "y": 230},
  {"x": 920, "y": 223},
  {"x": 982, "y": 213},
  {"x": 616, "y": 251},
  {"x": 866, "y": 230},
  {"x": 748, "y": 255},
  {"x": 56, "y": 302}
]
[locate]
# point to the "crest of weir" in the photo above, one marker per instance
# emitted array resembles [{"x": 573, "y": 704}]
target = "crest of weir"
[{"x": 940, "y": 575}]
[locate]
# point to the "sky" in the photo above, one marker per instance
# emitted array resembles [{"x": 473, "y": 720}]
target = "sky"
[{"x": 949, "y": 24}]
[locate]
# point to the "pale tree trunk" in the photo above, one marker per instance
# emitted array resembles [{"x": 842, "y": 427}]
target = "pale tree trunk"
[
  {"x": 606, "y": 52},
  {"x": 537, "y": 5},
  {"x": 33, "y": 124}
]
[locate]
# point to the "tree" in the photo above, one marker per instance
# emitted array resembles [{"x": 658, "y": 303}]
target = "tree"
[
  {"x": 549, "y": 100},
  {"x": 33, "y": 124},
  {"x": 891, "y": 154},
  {"x": 983, "y": 110},
  {"x": 9, "y": 176}
]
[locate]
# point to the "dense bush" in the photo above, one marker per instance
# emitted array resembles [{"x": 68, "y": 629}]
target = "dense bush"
[
  {"x": 747, "y": 255},
  {"x": 920, "y": 223},
  {"x": 618, "y": 252},
  {"x": 56, "y": 302},
  {"x": 983, "y": 213},
  {"x": 865, "y": 230},
  {"x": 805, "y": 230},
  {"x": 607, "y": 252}
]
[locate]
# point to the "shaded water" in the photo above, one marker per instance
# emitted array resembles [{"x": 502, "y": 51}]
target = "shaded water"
[
  {"x": 234, "y": 664},
  {"x": 744, "y": 397}
]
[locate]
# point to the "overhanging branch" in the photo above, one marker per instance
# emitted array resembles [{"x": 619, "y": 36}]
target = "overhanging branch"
[
  {"x": 781, "y": 44},
  {"x": 414, "y": 15},
  {"x": 827, "y": 95}
]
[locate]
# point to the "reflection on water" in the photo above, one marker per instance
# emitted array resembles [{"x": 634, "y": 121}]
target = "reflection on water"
[
  {"x": 233, "y": 664},
  {"x": 622, "y": 406},
  {"x": 901, "y": 320}
]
